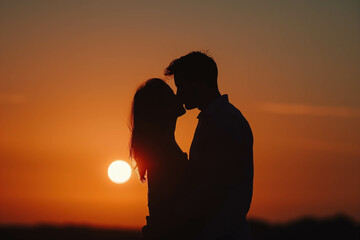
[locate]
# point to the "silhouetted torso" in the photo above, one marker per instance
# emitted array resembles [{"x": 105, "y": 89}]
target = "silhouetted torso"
[
  {"x": 163, "y": 176},
  {"x": 221, "y": 170}
]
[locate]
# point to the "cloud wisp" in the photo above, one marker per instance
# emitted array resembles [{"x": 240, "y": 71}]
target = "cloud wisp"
[{"x": 309, "y": 110}]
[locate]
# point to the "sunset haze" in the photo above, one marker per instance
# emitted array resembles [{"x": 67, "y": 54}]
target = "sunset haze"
[{"x": 69, "y": 70}]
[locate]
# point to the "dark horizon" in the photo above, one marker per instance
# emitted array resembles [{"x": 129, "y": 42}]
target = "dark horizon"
[
  {"x": 114, "y": 227},
  {"x": 312, "y": 228}
]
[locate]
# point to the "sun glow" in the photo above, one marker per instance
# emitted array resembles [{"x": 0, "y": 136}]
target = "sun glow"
[{"x": 119, "y": 171}]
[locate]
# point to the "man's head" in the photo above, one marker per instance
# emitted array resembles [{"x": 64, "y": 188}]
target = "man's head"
[{"x": 195, "y": 75}]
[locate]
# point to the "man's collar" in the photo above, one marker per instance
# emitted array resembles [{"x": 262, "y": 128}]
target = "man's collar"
[{"x": 214, "y": 105}]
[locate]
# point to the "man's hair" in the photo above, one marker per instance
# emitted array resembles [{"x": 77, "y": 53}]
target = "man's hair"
[{"x": 193, "y": 66}]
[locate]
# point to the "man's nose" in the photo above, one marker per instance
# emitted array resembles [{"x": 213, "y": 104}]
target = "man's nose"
[{"x": 179, "y": 98}]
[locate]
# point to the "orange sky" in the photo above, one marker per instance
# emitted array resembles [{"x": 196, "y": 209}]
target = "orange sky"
[{"x": 69, "y": 69}]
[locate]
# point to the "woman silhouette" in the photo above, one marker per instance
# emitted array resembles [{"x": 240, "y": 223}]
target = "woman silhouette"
[{"x": 158, "y": 157}]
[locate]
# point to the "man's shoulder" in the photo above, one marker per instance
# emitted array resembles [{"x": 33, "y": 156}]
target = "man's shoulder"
[
  {"x": 231, "y": 115},
  {"x": 231, "y": 111},
  {"x": 230, "y": 120}
]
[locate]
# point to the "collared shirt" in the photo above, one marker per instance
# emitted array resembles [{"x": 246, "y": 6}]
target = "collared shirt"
[{"x": 221, "y": 163}]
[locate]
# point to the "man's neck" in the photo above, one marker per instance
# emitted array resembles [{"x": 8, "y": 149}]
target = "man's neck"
[{"x": 208, "y": 98}]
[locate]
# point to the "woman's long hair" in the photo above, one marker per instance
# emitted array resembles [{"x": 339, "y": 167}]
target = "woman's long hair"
[{"x": 147, "y": 115}]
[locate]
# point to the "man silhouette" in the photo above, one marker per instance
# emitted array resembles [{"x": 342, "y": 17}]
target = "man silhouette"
[{"x": 219, "y": 181}]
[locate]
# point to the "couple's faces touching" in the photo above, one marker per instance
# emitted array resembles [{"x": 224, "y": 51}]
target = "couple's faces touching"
[
  {"x": 187, "y": 91},
  {"x": 174, "y": 104}
]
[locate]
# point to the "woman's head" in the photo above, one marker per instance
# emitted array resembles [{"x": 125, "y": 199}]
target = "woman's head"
[{"x": 155, "y": 108}]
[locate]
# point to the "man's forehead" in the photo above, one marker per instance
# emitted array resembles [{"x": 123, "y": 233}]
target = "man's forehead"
[
  {"x": 178, "y": 76},
  {"x": 178, "y": 79}
]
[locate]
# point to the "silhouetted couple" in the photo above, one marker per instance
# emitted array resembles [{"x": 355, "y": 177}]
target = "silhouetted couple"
[{"x": 208, "y": 195}]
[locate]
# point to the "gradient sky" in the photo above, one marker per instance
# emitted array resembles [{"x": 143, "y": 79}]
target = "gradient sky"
[{"x": 69, "y": 69}]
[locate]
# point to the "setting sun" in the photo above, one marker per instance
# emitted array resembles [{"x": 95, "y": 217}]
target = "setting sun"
[{"x": 119, "y": 171}]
